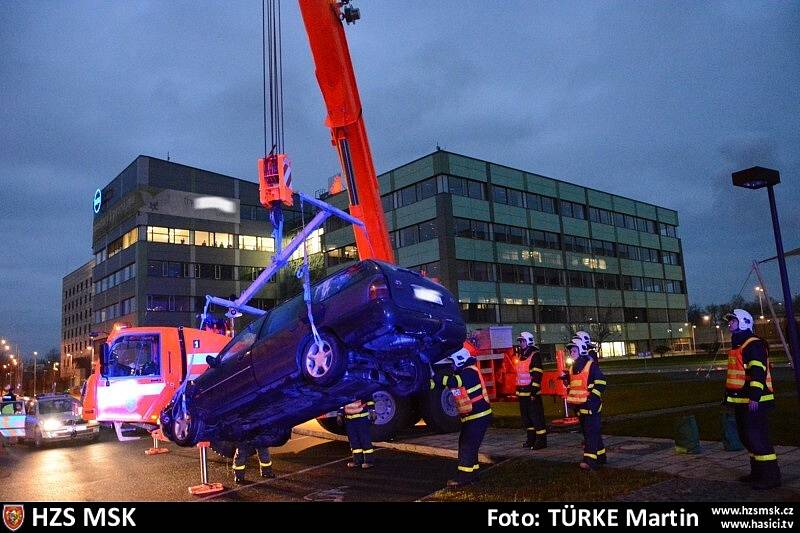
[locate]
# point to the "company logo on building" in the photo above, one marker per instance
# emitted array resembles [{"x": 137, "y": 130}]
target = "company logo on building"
[
  {"x": 13, "y": 516},
  {"x": 98, "y": 200}
]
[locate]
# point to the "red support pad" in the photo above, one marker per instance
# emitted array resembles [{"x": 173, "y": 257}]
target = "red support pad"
[
  {"x": 205, "y": 488},
  {"x": 156, "y": 449}
]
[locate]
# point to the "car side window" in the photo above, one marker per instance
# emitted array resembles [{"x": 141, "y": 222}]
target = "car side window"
[
  {"x": 338, "y": 282},
  {"x": 243, "y": 341},
  {"x": 283, "y": 315}
]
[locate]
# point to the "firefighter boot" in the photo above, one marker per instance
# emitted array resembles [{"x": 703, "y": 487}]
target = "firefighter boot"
[
  {"x": 540, "y": 442},
  {"x": 768, "y": 476},
  {"x": 238, "y": 476},
  {"x": 751, "y": 476},
  {"x": 266, "y": 471},
  {"x": 530, "y": 440}
]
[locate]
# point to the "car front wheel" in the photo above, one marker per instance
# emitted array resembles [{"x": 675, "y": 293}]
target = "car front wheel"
[
  {"x": 184, "y": 426},
  {"x": 323, "y": 362}
]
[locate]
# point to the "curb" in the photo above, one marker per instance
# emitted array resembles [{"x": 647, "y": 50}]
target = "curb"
[{"x": 435, "y": 451}]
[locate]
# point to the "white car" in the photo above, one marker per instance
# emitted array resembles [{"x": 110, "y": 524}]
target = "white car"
[{"x": 57, "y": 417}]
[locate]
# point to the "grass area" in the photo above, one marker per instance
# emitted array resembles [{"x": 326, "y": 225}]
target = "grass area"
[
  {"x": 784, "y": 425},
  {"x": 635, "y": 393},
  {"x": 689, "y": 361},
  {"x": 522, "y": 480}
]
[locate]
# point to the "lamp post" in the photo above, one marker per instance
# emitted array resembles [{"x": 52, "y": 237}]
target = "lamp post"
[
  {"x": 35, "y": 355},
  {"x": 756, "y": 178},
  {"x": 694, "y": 340},
  {"x": 760, "y": 291}
]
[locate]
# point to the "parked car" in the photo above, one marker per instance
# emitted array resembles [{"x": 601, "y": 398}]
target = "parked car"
[
  {"x": 57, "y": 417},
  {"x": 12, "y": 419},
  {"x": 380, "y": 327}
]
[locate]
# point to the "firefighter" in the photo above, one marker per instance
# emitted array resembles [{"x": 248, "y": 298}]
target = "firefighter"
[
  {"x": 529, "y": 383},
  {"x": 243, "y": 451},
  {"x": 585, "y": 395},
  {"x": 590, "y": 346},
  {"x": 358, "y": 417},
  {"x": 465, "y": 381},
  {"x": 748, "y": 387}
]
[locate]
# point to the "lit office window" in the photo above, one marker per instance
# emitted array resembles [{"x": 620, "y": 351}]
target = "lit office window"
[
  {"x": 203, "y": 238},
  {"x": 248, "y": 242},
  {"x": 157, "y": 234}
]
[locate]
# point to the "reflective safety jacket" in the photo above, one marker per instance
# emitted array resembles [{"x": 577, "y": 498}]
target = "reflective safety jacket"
[
  {"x": 358, "y": 409},
  {"x": 748, "y": 377},
  {"x": 586, "y": 386},
  {"x": 529, "y": 373},
  {"x": 469, "y": 391}
]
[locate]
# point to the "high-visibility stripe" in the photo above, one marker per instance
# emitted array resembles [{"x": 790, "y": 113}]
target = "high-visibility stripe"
[
  {"x": 584, "y": 411},
  {"x": 767, "y": 397},
  {"x": 757, "y": 385},
  {"x": 370, "y": 450},
  {"x": 264, "y": 465},
  {"x": 731, "y": 399},
  {"x": 370, "y": 402},
  {"x": 597, "y": 392},
  {"x": 590, "y": 455},
  {"x": 467, "y": 468},
  {"x": 357, "y": 450},
  {"x": 535, "y": 369},
  {"x": 458, "y": 381},
  {"x": 575, "y": 382},
  {"x": 768, "y": 457},
  {"x": 238, "y": 467},
  {"x": 541, "y": 432},
  {"x": 360, "y": 415},
  {"x": 534, "y": 384},
  {"x": 433, "y": 384},
  {"x": 600, "y": 382},
  {"x": 473, "y": 389},
  {"x": 523, "y": 394},
  {"x": 756, "y": 363},
  {"x": 530, "y": 429},
  {"x": 680, "y": 449},
  {"x": 476, "y": 467},
  {"x": 601, "y": 452},
  {"x": 479, "y": 415}
]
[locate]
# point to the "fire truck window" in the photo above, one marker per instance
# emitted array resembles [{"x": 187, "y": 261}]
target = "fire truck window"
[{"x": 133, "y": 356}]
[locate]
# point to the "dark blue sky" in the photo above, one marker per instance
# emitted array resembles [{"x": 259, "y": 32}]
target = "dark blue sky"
[{"x": 658, "y": 101}]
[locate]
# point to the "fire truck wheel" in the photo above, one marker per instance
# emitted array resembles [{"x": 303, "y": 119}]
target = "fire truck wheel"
[
  {"x": 329, "y": 423},
  {"x": 439, "y": 410},
  {"x": 395, "y": 414},
  {"x": 325, "y": 363}
]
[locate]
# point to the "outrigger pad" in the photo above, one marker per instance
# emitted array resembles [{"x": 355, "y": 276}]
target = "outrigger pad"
[{"x": 206, "y": 488}]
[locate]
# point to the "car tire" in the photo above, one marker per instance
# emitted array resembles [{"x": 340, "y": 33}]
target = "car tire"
[
  {"x": 395, "y": 414},
  {"x": 329, "y": 423},
  {"x": 38, "y": 441},
  {"x": 323, "y": 367},
  {"x": 224, "y": 448},
  {"x": 410, "y": 375},
  {"x": 184, "y": 426},
  {"x": 439, "y": 410}
]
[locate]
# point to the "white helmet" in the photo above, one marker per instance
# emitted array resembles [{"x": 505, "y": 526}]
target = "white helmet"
[
  {"x": 585, "y": 337},
  {"x": 458, "y": 359},
  {"x": 527, "y": 337},
  {"x": 579, "y": 344},
  {"x": 745, "y": 319}
]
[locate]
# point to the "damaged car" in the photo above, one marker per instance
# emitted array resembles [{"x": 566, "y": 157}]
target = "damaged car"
[{"x": 379, "y": 327}]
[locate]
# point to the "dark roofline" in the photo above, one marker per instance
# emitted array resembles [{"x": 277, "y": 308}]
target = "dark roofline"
[
  {"x": 527, "y": 172},
  {"x": 193, "y": 168}
]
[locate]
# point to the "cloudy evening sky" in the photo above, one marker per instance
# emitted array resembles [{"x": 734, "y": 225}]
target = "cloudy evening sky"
[{"x": 659, "y": 101}]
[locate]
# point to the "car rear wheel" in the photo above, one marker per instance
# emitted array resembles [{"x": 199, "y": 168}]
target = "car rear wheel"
[
  {"x": 323, "y": 363},
  {"x": 439, "y": 410},
  {"x": 329, "y": 423},
  {"x": 184, "y": 426}
]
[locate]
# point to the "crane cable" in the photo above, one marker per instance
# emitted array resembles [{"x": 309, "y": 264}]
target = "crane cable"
[{"x": 272, "y": 74}]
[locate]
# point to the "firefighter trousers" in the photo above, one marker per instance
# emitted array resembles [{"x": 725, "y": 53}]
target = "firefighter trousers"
[
  {"x": 469, "y": 443},
  {"x": 358, "y": 432},
  {"x": 594, "y": 450},
  {"x": 753, "y": 427},
  {"x": 531, "y": 410},
  {"x": 244, "y": 451}
]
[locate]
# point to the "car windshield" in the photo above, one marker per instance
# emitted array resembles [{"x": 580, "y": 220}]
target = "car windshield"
[
  {"x": 133, "y": 355},
  {"x": 52, "y": 407},
  {"x": 11, "y": 408},
  {"x": 241, "y": 342}
]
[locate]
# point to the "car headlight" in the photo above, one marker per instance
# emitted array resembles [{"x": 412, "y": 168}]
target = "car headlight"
[{"x": 51, "y": 425}]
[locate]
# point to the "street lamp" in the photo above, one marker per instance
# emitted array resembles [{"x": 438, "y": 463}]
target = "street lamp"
[
  {"x": 756, "y": 178},
  {"x": 760, "y": 291},
  {"x": 35, "y": 355}
]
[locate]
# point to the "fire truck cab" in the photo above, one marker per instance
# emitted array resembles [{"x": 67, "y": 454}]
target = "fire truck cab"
[{"x": 140, "y": 368}]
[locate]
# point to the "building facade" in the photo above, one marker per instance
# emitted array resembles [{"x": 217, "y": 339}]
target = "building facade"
[
  {"x": 76, "y": 324},
  {"x": 165, "y": 235},
  {"x": 537, "y": 253}
]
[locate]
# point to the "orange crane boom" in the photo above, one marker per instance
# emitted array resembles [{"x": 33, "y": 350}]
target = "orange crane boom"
[{"x": 337, "y": 81}]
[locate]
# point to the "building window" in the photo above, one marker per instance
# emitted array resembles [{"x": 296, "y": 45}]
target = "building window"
[
  {"x": 635, "y": 315},
  {"x": 653, "y": 285},
  {"x": 514, "y": 273},
  {"x": 606, "y": 281},
  {"x": 545, "y": 239},
  {"x": 604, "y": 248},
  {"x": 537, "y": 202},
  {"x": 670, "y": 258},
  {"x": 157, "y": 234},
  {"x": 632, "y": 283},
  {"x": 468, "y": 188},
  {"x": 426, "y": 189},
  {"x": 342, "y": 255},
  {"x": 203, "y": 238},
  {"x": 573, "y": 210},
  {"x": 387, "y": 201},
  {"x": 657, "y": 315},
  {"x": 668, "y": 230},
  {"x": 673, "y": 287},
  {"x": 581, "y": 315},
  {"x": 626, "y": 251},
  {"x": 430, "y": 270},
  {"x": 601, "y": 216},
  {"x": 510, "y": 234},
  {"x": 576, "y": 244},
  {"x": 579, "y": 279},
  {"x": 475, "y": 271},
  {"x": 548, "y": 276},
  {"x": 552, "y": 314},
  {"x": 471, "y": 229},
  {"x": 481, "y": 313},
  {"x": 510, "y": 314}
]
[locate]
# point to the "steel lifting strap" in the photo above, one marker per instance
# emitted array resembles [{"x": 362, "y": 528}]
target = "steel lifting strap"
[{"x": 304, "y": 273}]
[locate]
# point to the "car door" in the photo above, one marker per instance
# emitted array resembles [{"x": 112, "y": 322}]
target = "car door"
[
  {"x": 274, "y": 356},
  {"x": 233, "y": 380}
]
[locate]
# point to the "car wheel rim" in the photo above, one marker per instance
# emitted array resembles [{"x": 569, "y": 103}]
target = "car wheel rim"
[
  {"x": 319, "y": 359},
  {"x": 385, "y": 407},
  {"x": 181, "y": 423}
]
